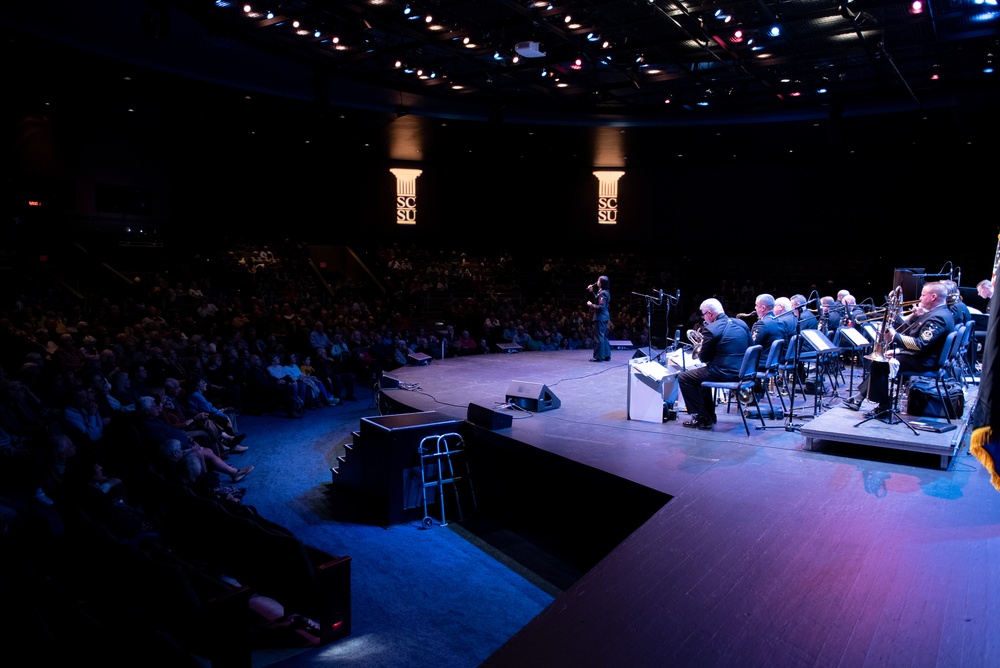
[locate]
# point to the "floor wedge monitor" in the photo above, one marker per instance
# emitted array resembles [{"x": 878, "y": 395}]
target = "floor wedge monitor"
[{"x": 534, "y": 397}]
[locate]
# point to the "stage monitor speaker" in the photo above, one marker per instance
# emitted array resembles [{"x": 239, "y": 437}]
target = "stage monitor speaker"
[
  {"x": 639, "y": 353},
  {"x": 387, "y": 382},
  {"x": 488, "y": 418},
  {"x": 912, "y": 282},
  {"x": 534, "y": 397},
  {"x": 419, "y": 359}
]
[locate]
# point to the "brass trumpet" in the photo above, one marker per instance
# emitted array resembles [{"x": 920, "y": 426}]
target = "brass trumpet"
[{"x": 878, "y": 314}]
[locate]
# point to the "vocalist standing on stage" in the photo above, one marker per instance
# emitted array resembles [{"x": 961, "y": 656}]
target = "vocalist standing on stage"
[{"x": 599, "y": 307}]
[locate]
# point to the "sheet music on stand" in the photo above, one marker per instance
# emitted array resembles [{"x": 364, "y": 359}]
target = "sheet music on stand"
[
  {"x": 653, "y": 370},
  {"x": 872, "y": 331},
  {"x": 856, "y": 338},
  {"x": 819, "y": 341},
  {"x": 682, "y": 360}
]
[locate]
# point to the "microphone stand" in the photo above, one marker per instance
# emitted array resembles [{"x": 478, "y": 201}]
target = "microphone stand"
[
  {"x": 795, "y": 368},
  {"x": 650, "y": 300}
]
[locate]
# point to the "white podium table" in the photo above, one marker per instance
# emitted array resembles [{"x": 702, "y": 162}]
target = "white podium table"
[{"x": 652, "y": 386}]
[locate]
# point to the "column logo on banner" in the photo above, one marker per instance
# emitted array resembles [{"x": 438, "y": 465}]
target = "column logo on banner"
[
  {"x": 406, "y": 195},
  {"x": 607, "y": 197}
]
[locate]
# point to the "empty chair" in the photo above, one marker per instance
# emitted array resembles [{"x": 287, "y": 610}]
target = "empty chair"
[{"x": 772, "y": 367}]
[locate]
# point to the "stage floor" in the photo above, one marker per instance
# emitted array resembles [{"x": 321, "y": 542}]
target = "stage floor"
[{"x": 769, "y": 552}]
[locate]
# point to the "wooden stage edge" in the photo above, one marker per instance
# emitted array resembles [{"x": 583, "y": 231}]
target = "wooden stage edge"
[{"x": 842, "y": 425}]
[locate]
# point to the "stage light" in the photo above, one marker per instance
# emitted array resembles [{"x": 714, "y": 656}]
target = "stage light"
[
  {"x": 406, "y": 10},
  {"x": 917, "y": 7},
  {"x": 775, "y": 31},
  {"x": 577, "y": 64},
  {"x": 316, "y": 34}
]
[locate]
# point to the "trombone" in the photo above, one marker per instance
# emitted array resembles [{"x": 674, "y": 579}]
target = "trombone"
[{"x": 878, "y": 314}]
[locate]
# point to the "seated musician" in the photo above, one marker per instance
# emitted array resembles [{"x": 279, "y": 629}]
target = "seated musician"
[
  {"x": 852, "y": 311},
  {"x": 807, "y": 319},
  {"x": 959, "y": 311},
  {"x": 784, "y": 315},
  {"x": 766, "y": 330},
  {"x": 829, "y": 316},
  {"x": 724, "y": 343},
  {"x": 919, "y": 342}
]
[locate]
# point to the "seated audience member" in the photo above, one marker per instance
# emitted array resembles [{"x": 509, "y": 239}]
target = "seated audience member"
[
  {"x": 82, "y": 419},
  {"x": 197, "y": 401},
  {"x": 177, "y": 413},
  {"x": 466, "y": 345},
  {"x": 225, "y": 375},
  {"x": 263, "y": 392},
  {"x": 318, "y": 337},
  {"x": 121, "y": 390},
  {"x": 340, "y": 382},
  {"x": 320, "y": 373},
  {"x": 196, "y": 467},
  {"x": 106, "y": 499},
  {"x": 299, "y": 388}
]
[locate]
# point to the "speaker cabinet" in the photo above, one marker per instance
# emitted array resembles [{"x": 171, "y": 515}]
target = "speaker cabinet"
[
  {"x": 534, "y": 397},
  {"x": 488, "y": 418},
  {"x": 912, "y": 282},
  {"x": 419, "y": 359},
  {"x": 387, "y": 382}
]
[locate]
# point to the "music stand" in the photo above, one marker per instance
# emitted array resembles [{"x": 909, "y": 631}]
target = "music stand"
[
  {"x": 857, "y": 342},
  {"x": 824, "y": 349},
  {"x": 890, "y": 416}
]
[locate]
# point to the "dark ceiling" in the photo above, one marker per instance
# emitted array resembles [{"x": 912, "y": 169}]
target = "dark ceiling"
[{"x": 631, "y": 62}]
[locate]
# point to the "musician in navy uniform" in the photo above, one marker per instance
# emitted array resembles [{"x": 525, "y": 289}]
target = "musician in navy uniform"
[
  {"x": 766, "y": 329},
  {"x": 600, "y": 308},
  {"x": 784, "y": 315},
  {"x": 918, "y": 348},
  {"x": 724, "y": 343},
  {"x": 807, "y": 319}
]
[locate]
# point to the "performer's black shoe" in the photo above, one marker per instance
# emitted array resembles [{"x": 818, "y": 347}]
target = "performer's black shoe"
[
  {"x": 854, "y": 403},
  {"x": 878, "y": 410},
  {"x": 698, "y": 422}
]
